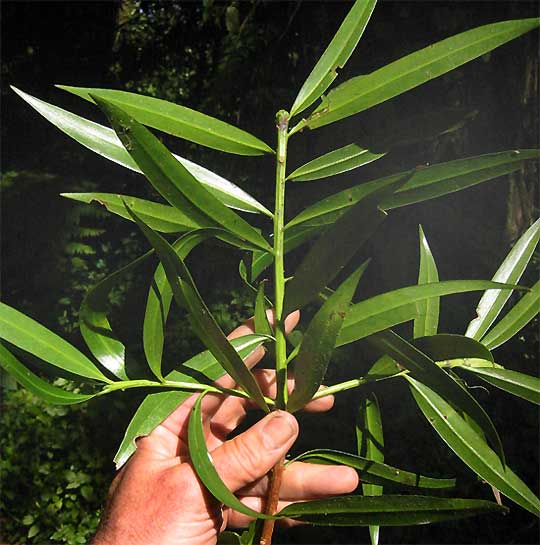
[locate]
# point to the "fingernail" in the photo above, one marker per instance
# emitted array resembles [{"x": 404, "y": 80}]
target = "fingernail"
[{"x": 278, "y": 430}]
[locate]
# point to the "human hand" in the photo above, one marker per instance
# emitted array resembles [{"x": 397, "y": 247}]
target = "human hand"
[{"x": 157, "y": 498}]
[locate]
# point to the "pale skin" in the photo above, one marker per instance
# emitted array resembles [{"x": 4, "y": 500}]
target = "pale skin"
[{"x": 157, "y": 498}]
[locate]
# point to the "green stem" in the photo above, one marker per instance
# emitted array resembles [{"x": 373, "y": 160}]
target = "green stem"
[{"x": 282, "y": 123}]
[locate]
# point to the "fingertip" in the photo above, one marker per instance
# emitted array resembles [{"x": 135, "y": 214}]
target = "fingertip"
[
  {"x": 320, "y": 405},
  {"x": 348, "y": 479},
  {"x": 291, "y": 321}
]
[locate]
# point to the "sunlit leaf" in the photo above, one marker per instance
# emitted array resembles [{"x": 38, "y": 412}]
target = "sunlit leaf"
[
  {"x": 510, "y": 271},
  {"x": 39, "y": 387},
  {"x": 27, "y": 334},
  {"x": 423, "y": 368},
  {"x": 337, "y": 161},
  {"x": 174, "y": 182},
  {"x": 516, "y": 319},
  {"x": 335, "y": 56},
  {"x": 387, "y": 510},
  {"x": 319, "y": 340},
  {"x": 106, "y": 143},
  {"x": 178, "y": 120},
  {"x": 202, "y": 463},
  {"x": 470, "y": 447},
  {"x": 427, "y": 321},
  {"x": 363, "y": 92}
]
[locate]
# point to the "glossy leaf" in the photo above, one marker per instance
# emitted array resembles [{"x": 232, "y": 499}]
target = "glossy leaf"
[
  {"x": 319, "y": 340},
  {"x": 202, "y": 463},
  {"x": 387, "y": 510},
  {"x": 519, "y": 384},
  {"x": 516, "y": 319},
  {"x": 335, "y": 56},
  {"x": 423, "y": 368},
  {"x": 372, "y": 471},
  {"x": 178, "y": 120},
  {"x": 174, "y": 182},
  {"x": 370, "y": 443},
  {"x": 156, "y": 407},
  {"x": 95, "y": 327},
  {"x": 363, "y": 92},
  {"x": 470, "y": 447},
  {"x": 334, "y": 248},
  {"x": 36, "y": 385},
  {"x": 261, "y": 319},
  {"x": 448, "y": 346},
  {"x": 395, "y": 307},
  {"x": 427, "y": 321},
  {"x": 511, "y": 269},
  {"x": 159, "y": 299},
  {"x": 106, "y": 143},
  {"x": 335, "y": 162},
  {"x": 27, "y": 334},
  {"x": 204, "y": 325}
]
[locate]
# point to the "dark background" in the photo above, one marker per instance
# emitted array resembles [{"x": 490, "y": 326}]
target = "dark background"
[{"x": 241, "y": 62}]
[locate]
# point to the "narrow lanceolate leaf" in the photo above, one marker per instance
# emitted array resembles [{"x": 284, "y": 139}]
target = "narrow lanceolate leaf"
[
  {"x": 363, "y": 92},
  {"x": 319, "y": 340},
  {"x": 335, "y": 162},
  {"x": 470, "y": 447},
  {"x": 370, "y": 443},
  {"x": 104, "y": 141},
  {"x": 426, "y": 370},
  {"x": 516, "y": 319},
  {"x": 204, "y": 325},
  {"x": 159, "y": 299},
  {"x": 39, "y": 387},
  {"x": 334, "y": 248},
  {"x": 395, "y": 307},
  {"x": 388, "y": 510},
  {"x": 95, "y": 327},
  {"x": 427, "y": 321},
  {"x": 174, "y": 182},
  {"x": 202, "y": 462},
  {"x": 519, "y": 384},
  {"x": 27, "y": 334},
  {"x": 262, "y": 325},
  {"x": 335, "y": 56},
  {"x": 157, "y": 407},
  {"x": 178, "y": 121},
  {"x": 372, "y": 471},
  {"x": 511, "y": 269}
]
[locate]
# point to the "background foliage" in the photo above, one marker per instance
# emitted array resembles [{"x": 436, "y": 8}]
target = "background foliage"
[{"x": 240, "y": 61}]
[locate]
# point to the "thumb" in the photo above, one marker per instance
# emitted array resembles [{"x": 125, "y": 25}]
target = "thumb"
[{"x": 252, "y": 454}]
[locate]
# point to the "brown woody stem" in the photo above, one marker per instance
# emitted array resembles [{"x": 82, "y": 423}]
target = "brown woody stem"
[{"x": 272, "y": 499}]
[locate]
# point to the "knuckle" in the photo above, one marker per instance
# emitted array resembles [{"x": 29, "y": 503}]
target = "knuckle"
[{"x": 248, "y": 457}]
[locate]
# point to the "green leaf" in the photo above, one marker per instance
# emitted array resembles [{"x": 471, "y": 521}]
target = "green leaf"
[
  {"x": 173, "y": 181},
  {"x": 106, "y": 143},
  {"x": 335, "y": 162},
  {"x": 423, "y": 368},
  {"x": 427, "y": 321},
  {"x": 261, "y": 320},
  {"x": 39, "y": 387},
  {"x": 372, "y": 471},
  {"x": 363, "y": 92},
  {"x": 157, "y": 407},
  {"x": 470, "y": 447},
  {"x": 519, "y": 384},
  {"x": 177, "y": 120},
  {"x": 516, "y": 319},
  {"x": 335, "y": 56},
  {"x": 388, "y": 510},
  {"x": 447, "y": 346},
  {"x": 202, "y": 321},
  {"x": 334, "y": 248},
  {"x": 202, "y": 463},
  {"x": 395, "y": 307},
  {"x": 95, "y": 327},
  {"x": 27, "y": 334},
  {"x": 426, "y": 183},
  {"x": 370, "y": 443},
  {"x": 319, "y": 340},
  {"x": 159, "y": 299},
  {"x": 511, "y": 269}
]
